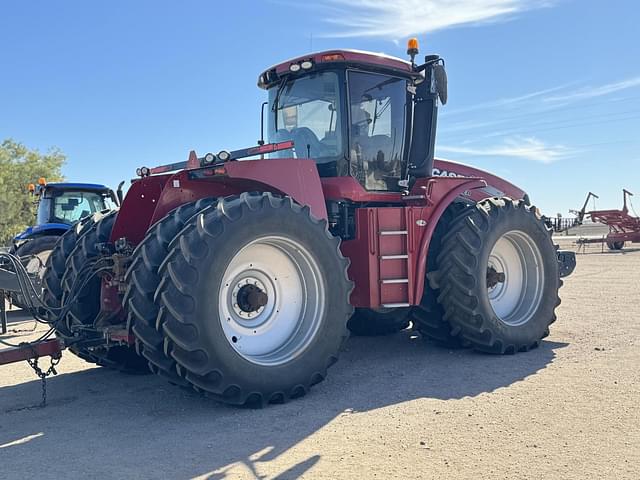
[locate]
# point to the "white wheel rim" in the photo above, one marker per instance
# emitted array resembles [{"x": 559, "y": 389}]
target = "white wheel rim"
[
  {"x": 516, "y": 299},
  {"x": 281, "y": 325}
]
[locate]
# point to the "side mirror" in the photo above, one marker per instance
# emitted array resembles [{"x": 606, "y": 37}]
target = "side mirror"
[{"x": 440, "y": 76}]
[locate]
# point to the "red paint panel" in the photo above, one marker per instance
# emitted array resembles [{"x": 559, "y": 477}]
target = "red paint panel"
[
  {"x": 136, "y": 211},
  {"x": 447, "y": 168},
  {"x": 297, "y": 178},
  {"x": 362, "y": 252},
  {"x": 340, "y": 188},
  {"x": 151, "y": 198}
]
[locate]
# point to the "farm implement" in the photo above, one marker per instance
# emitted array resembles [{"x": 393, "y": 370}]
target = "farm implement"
[{"x": 623, "y": 227}]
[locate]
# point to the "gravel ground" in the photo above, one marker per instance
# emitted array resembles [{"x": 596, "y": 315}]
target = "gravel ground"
[{"x": 393, "y": 407}]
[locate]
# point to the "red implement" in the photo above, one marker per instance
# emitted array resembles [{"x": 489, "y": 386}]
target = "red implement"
[{"x": 623, "y": 227}]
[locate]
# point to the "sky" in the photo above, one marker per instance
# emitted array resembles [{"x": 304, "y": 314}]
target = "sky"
[{"x": 544, "y": 93}]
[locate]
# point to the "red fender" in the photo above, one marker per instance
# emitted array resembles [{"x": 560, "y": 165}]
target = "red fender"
[
  {"x": 443, "y": 192},
  {"x": 151, "y": 198}
]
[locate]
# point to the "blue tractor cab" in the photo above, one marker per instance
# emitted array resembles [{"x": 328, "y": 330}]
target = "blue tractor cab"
[{"x": 60, "y": 205}]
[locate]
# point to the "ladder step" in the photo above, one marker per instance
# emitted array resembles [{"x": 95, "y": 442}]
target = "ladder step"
[
  {"x": 396, "y": 280},
  {"x": 396, "y": 305},
  {"x": 393, "y": 232},
  {"x": 393, "y": 257}
]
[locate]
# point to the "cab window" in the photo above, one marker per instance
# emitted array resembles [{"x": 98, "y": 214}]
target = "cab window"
[
  {"x": 377, "y": 109},
  {"x": 69, "y": 207},
  {"x": 306, "y": 110}
]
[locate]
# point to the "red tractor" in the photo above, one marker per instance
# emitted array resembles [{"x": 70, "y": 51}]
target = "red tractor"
[{"x": 238, "y": 274}]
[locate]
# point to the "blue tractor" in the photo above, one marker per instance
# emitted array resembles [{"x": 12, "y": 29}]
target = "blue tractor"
[{"x": 60, "y": 205}]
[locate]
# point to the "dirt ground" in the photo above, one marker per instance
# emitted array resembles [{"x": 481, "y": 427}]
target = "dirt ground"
[{"x": 393, "y": 407}]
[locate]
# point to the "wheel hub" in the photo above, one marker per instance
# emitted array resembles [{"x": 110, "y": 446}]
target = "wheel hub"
[
  {"x": 494, "y": 277},
  {"x": 250, "y": 295},
  {"x": 251, "y": 298},
  {"x": 515, "y": 278},
  {"x": 271, "y": 300}
]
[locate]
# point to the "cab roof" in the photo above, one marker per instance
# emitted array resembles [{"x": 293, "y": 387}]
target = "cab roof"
[
  {"x": 77, "y": 186},
  {"x": 350, "y": 57}
]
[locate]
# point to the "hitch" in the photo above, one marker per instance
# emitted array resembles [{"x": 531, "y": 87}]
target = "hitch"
[{"x": 29, "y": 351}]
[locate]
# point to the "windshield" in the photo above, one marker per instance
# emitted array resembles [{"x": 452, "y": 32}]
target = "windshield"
[
  {"x": 307, "y": 112},
  {"x": 68, "y": 206}
]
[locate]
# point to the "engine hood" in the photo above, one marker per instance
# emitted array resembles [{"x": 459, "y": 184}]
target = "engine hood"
[{"x": 496, "y": 186}]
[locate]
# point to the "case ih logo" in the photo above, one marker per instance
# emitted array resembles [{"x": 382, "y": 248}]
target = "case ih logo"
[{"x": 445, "y": 173}]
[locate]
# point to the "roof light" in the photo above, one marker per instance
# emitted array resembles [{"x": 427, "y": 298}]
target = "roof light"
[
  {"x": 209, "y": 158},
  {"x": 294, "y": 67},
  {"x": 307, "y": 64},
  {"x": 412, "y": 46},
  {"x": 42, "y": 181},
  {"x": 224, "y": 155},
  {"x": 332, "y": 57}
]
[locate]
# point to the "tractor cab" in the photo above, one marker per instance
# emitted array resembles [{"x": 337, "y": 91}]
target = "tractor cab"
[
  {"x": 358, "y": 114},
  {"x": 66, "y": 203}
]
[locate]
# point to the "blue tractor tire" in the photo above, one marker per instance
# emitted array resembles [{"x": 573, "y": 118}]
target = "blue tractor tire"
[{"x": 34, "y": 254}]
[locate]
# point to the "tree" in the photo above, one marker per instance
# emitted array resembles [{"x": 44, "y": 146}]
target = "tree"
[{"x": 20, "y": 166}]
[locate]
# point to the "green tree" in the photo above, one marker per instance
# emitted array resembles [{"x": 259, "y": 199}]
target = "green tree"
[{"x": 20, "y": 166}]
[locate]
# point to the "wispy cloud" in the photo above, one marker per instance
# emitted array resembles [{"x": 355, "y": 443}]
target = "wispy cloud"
[
  {"x": 593, "y": 92},
  {"x": 511, "y": 101},
  {"x": 528, "y": 148},
  {"x": 528, "y": 113},
  {"x": 399, "y": 18}
]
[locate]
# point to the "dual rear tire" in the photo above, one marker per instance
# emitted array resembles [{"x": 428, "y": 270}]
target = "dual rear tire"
[
  {"x": 253, "y": 301},
  {"x": 72, "y": 291}
]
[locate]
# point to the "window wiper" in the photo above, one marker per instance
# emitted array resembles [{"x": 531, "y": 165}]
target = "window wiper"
[
  {"x": 274, "y": 107},
  {"x": 384, "y": 83}
]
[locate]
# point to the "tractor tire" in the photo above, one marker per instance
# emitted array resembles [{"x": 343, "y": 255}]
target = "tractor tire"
[
  {"x": 427, "y": 318},
  {"x": 143, "y": 280},
  {"x": 615, "y": 245},
  {"x": 254, "y": 300},
  {"x": 498, "y": 275},
  {"x": 39, "y": 249},
  {"x": 367, "y": 322},
  {"x": 54, "y": 271},
  {"x": 84, "y": 303}
]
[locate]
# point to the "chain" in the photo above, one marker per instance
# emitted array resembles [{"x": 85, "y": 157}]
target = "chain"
[{"x": 33, "y": 362}]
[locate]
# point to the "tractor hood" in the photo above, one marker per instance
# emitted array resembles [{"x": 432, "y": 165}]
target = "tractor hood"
[
  {"x": 496, "y": 186},
  {"x": 40, "y": 230}
]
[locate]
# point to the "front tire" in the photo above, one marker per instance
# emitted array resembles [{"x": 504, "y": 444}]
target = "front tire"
[
  {"x": 37, "y": 251},
  {"x": 428, "y": 317},
  {"x": 254, "y": 300},
  {"x": 498, "y": 276}
]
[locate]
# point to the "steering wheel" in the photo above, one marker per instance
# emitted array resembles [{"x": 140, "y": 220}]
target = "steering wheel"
[{"x": 303, "y": 136}]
